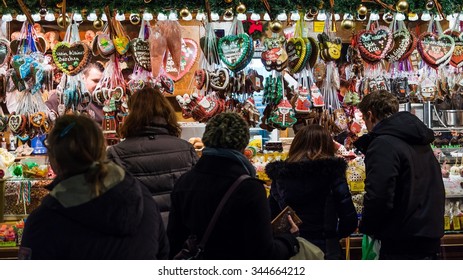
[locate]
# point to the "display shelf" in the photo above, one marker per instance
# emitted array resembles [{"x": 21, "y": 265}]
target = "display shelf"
[{"x": 451, "y": 247}]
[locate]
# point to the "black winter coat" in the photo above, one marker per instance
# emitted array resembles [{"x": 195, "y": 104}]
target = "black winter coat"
[
  {"x": 243, "y": 230},
  {"x": 122, "y": 223},
  {"x": 404, "y": 199},
  {"x": 317, "y": 191},
  {"x": 157, "y": 159}
]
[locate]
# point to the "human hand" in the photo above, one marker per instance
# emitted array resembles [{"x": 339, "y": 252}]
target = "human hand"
[{"x": 294, "y": 228}]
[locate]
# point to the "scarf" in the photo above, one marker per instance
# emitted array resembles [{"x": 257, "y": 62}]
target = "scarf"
[{"x": 234, "y": 155}]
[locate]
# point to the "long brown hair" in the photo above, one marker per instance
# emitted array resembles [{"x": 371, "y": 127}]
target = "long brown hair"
[
  {"x": 76, "y": 145},
  {"x": 149, "y": 107},
  {"x": 311, "y": 142}
]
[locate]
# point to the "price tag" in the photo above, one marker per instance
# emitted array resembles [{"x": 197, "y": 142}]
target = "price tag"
[
  {"x": 456, "y": 223},
  {"x": 446, "y": 223},
  {"x": 357, "y": 186},
  {"x": 318, "y": 26}
]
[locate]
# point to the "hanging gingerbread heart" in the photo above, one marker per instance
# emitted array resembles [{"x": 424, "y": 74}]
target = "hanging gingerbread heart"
[
  {"x": 201, "y": 78},
  {"x": 402, "y": 41},
  {"x": 71, "y": 59},
  {"x": 17, "y": 123},
  {"x": 219, "y": 79},
  {"x": 411, "y": 47},
  {"x": 234, "y": 49},
  {"x": 37, "y": 119},
  {"x": 105, "y": 45},
  {"x": 141, "y": 53},
  {"x": 434, "y": 49},
  {"x": 187, "y": 60},
  {"x": 275, "y": 56},
  {"x": 121, "y": 44},
  {"x": 330, "y": 47},
  {"x": 375, "y": 44},
  {"x": 457, "y": 55},
  {"x": 296, "y": 49},
  {"x": 167, "y": 83}
]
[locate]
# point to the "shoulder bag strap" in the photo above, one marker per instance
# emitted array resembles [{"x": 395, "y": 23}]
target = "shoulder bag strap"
[{"x": 222, "y": 203}]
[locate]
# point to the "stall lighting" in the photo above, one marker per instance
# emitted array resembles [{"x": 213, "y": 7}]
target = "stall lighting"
[
  {"x": 400, "y": 17},
  {"x": 120, "y": 17},
  {"x": 200, "y": 16},
  {"x": 91, "y": 17},
  {"x": 266, "y": 17},
  {"x": 173, "y": 16},
  {"x": 77, "y": 17},
  {"x": 215, "y": 16},
  {"x": 295, "y": 16},
  {"x": 104, "y": 17},
  {"x": 255, "y": 16},
  {"x": 282, "y": 17},
  {"x": 425, "y": 16},
  {"x": 321, "y": 16},
  {"x": 36, "y": 17},
  {"x": 162, "y": 16},
  {"x": 21, "y": 17},
  {"x": 241, "y": 16},
  {"x": 348, "y": 16},
  {"x": 374, "y": 16},
  {"x": 148, "y": 16},
  {"x": 7, "y": 17}
]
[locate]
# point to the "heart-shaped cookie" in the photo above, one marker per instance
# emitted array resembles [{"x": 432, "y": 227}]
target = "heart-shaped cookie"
[
  {"x": 275, "y": 56},
  {"x": 141, "y": 53},
  {"x": 435, "y": 50},
  {"x": 117, "y": 93},
  {"x": 375, "y": 44},
  {"x": 121, "y": 44},
  {"x": 188, "y": 59},
  {"x": 219, "y": 79},
  {"x": 234, "y": 49},
  {"x": 105, "y": 45},
  {"x": 37, "y": 119},
  {"x": 296, "y": 49},
  {"x": 22, "y": 65},
  {"x": 16, "y": 123},
  {"x": 457, "y": 55},
  {"x": 402, "y": 41},
  {"x": 71, "y": 59},
  {"x": 167, "y": 83},
  {"x": 201, "y": 77},
  {"x": 4, "y": 51}
]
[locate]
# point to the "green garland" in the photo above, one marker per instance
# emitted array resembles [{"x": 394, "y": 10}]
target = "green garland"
[{"x": 277, "y": 6}]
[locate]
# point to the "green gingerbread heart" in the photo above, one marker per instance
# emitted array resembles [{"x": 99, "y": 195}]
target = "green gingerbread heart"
[{"x": 234, "y": 49}]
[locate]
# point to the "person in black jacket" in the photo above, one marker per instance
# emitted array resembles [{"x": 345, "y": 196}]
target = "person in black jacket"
[
  {"x": 404, "y": 199},
  {"x": 243, "y": 230},
  {"x": 313, "y": 182},
  {"x": 95, "y": 210},
  {"x": 152, "y": 150}
]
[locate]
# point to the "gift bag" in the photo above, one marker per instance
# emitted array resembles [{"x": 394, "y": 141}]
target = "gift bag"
[{"x": 370, "y": 248}]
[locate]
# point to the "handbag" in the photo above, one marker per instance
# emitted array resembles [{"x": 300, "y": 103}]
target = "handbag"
[
  {"x": 192, "y": 250},
  {"x": 308, "y": 251}
]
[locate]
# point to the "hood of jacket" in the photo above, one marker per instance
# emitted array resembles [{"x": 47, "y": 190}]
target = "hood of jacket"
[
  {"x": 118, "y": 211},
  {"x": 402, "y": 125},
  {"x": 320, "y": 169}
]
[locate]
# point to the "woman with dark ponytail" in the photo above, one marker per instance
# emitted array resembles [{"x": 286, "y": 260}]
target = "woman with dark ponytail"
[{"x": 95, "y": 210}]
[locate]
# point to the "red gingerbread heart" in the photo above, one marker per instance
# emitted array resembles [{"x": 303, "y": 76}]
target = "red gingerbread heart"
[
  {"x": 188, "y": 59},
  {"x": 435, "y": 50},
  {"x": 375, "y": 44},
  {"x": 457, "y": 55}
]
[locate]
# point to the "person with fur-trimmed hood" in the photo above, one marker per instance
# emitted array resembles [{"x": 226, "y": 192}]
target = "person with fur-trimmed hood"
[{"x": 312, "y": 181}]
